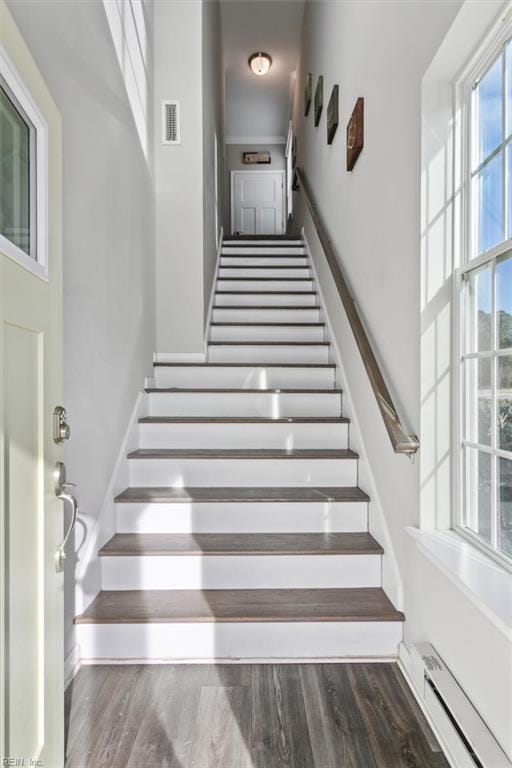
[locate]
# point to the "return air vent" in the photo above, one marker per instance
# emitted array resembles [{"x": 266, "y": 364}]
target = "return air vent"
[{"x": 171, "y": 122}]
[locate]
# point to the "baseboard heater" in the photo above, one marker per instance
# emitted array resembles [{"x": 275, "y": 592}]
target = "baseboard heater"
[{"x": 467, "y": 739}]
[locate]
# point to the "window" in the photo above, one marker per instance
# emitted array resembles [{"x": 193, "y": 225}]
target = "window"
[
  {"x": 485, "y": 339},
  {"x": 23, "y": 173}
]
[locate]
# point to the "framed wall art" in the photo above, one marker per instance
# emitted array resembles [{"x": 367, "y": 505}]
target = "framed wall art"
[
  {"x": 256, "y": 158},
  {"x": 319, "y": 99},
  {"x": 355, "y": 134},
  {"x": 308, "y": 93},
  {"x": 332, "y": 114}
]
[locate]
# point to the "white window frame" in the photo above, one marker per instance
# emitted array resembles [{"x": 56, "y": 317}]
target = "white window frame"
[
  {"x": 479, "y": 64},
  {"x": 37, "y": 262}
]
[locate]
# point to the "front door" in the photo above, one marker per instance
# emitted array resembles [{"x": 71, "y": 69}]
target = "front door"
[
  {"x": 31, "y": 517},
  {"x": 257, "y": 202}
]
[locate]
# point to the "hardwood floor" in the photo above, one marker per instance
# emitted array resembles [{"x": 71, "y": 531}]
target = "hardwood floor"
[{"x": 246, "y": 716}]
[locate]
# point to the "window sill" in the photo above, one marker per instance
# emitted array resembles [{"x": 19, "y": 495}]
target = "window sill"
[{"x": 481, "y": 579}]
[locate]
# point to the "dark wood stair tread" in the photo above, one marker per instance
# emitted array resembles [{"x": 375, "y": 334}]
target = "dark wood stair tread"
[
  {"x": 263, "y": 293},
  {"x": 283, "y": 343},
  {"x": 250, "y": 391},
  {"x": 264, "y": 266},
  {"x": 243, "y": 420},
  {"x": 239, "y": 605},
  {"x": 266, "y": 306},
  {"x": 244, "y": 365},
  {"x": 229, "y": 494},
  {"x": 228, "y": 255},
  {"x": 243, "y": 453},
  {"x": 267, "y": 324},
  {"x": 263, "y": 279},
  {"x": 162, "y": 544}
]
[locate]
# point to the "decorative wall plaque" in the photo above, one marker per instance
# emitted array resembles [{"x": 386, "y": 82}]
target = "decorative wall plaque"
[
  {"x": 355, "y": 134},
  {"x": 332, "y": 114},
  {"x": 319, "y": 99},
  {"x": 256, "y": 158},
  {"x": 308, "y": 93}
]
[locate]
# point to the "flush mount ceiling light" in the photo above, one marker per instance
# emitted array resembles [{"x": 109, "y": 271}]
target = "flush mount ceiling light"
[{"x": 260, "y": 63}]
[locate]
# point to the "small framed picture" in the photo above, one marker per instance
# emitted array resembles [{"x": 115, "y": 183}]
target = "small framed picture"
[
  {"x": 355, "y": 134},
  {"x": 308, "y": 93},
  {"x": 319, "y": 99},
  {"x": 256, "y": 158},
  {"x": 332, "y": 114}
]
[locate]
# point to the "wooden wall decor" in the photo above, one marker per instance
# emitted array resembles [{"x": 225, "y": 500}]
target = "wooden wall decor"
[
  {"x": 308, "y": 93},
  {"x": 256, "y": 158},
  {"x": 319, "y": 99},
  {"x": 332, "y": 114},
  {"x": 355, "y": 134}
]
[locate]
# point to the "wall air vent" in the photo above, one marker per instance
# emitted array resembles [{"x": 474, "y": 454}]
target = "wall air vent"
[{"x": 171, "y": 122}]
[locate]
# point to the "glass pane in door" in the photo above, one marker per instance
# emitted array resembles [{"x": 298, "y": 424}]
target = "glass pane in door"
[{"x": 15, "y": 174}]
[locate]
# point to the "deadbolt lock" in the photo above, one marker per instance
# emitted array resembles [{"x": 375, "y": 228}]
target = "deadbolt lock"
[{"x": 61, "y": 429}]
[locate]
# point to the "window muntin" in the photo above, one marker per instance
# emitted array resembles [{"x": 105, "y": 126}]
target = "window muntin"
[{"x": 17, "y": 175}]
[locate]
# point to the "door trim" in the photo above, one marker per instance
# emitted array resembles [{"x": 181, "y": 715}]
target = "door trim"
[{"x": 234, "y": 174}]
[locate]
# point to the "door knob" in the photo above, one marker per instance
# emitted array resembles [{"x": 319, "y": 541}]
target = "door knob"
[
  {"x": 60, "y": 485},
  {"x": 61, "y": 428}
]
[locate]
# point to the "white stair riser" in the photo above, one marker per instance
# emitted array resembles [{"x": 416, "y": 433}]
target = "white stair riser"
[
  {"x": 260, "y": 353},
  {"x": 242, "y": 472},
  {"x": 248, "y": 377},
  {"x": 273, "y": 299},
  {"x": 263, "y": 261},
  {"x": 226, "y": 315},
  {"x": 267, "y": 404},
  {"x": 213, "y": 640},
  {"x": 240, "y": 571},
  {"x": 243, "y": 517},
  {"x": 264, "y": 285},
  {"x": 282, "y": 272},
  {"x": 266, "y": 333},
  {"x": 255, "y": 250},
  {"x": 225, "y": 435}
]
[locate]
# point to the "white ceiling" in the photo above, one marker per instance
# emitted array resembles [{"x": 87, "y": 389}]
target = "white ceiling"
[{"x": 259, "y": 106}]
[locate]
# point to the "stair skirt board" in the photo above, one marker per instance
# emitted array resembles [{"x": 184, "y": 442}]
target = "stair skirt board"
[
  {"x": 273, "y": 404},
  {"x": 271, "y": 332},
  {"x": 245, "y": 377},
  {"x": 251, "y": 472},
  {"x": 211, "y": 640},
  {"x": 240, "y": 571},
  {"x": 242, "y": 517},
  {"x": 243, "y": 435},
  {"x": 267, "y": 297}
]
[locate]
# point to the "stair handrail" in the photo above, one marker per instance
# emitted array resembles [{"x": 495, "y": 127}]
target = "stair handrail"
[{"x": 401, "y": 440}]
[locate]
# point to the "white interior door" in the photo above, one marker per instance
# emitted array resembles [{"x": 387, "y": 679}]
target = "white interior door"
[
  {"x": 31, "y": 517},
  {"x": 257, "y": 202}
]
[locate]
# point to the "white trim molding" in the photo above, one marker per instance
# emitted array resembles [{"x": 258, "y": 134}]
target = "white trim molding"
[
  {"x": 179, "y": 357},
  {"x": 212, "y": 292}
]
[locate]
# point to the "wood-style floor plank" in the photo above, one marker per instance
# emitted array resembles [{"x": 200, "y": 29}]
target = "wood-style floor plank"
[
  {"x": 280, "y": 735},
  {"x": 124, "y": 544},
  {"x": 242, "y": 453},
  {"x": 239, "y": 605},
  {"x": 247, "y": 716}
]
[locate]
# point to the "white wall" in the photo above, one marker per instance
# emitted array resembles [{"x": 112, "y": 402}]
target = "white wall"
[
  {"x": 188, "y": 68},
  {"x": 381, "y": 51},
  {"x": 108, "y": 248},
  {"x": 233, "y": 162}
]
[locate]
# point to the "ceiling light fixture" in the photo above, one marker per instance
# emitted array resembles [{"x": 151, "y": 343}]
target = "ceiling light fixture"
[{"x": 260, "y": 63}]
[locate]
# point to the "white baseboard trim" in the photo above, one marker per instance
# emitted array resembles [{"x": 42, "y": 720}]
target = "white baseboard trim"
[
  {"x": 404, "y": 666},
  {"x": 179, "y": 357},
  {"x": 255, "y": 660},
  {"x": 72, "y": 664}
]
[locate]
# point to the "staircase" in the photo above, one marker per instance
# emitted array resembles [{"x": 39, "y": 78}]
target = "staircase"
[{"x": 244, "y": 533}]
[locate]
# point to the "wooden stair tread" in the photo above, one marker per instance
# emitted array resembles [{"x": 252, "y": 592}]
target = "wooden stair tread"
[
  {"x": 271, "y": 307},
  {"x": 249, "y": 391},
  {"x": 243, "y": 420},
  {"x": 243, "y": 453},
  {"x": 162, "y": 544},
  {"x": 264, "y": 279},
  {"x": 266, "y": 324},
  {"x": 283, "y": 343},
  {"x": 264, "y": 293},
  {"x": 245, "y": 365},
  {"x": 229, "y": 494},
  {"x": 239, "y": 605},
  {"x": 228, "y": 255},
  {"x": 265, "y": 266}
]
